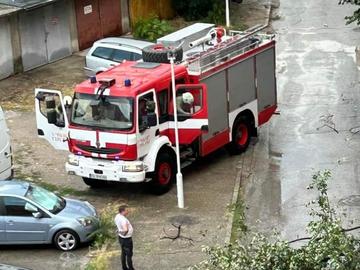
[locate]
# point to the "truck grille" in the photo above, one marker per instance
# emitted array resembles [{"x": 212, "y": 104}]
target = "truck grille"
[{"x": 93, "y": 149}]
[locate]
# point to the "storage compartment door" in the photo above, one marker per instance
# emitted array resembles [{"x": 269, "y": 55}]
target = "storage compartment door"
[{"x": 266, "y": 84}]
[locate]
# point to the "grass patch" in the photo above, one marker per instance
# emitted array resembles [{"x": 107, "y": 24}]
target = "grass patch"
[
  {"x": 104, "y": 246},
  {"x": 238, "y": 224}
]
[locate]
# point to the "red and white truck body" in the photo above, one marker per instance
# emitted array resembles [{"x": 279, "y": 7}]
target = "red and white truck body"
[{"x": 119, "y": 126}]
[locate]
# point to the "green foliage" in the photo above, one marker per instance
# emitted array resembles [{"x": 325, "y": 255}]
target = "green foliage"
[
  {"x": 355, "y": 17},
  {"x": 217, "y": 14},
  {"x": 107, "y": 229},
  {"x": 209, "y": 10},
  {"x": 105, "y": 237},
  {"x": 328, "y": 248},
  {"x": 151, "y": 28}
]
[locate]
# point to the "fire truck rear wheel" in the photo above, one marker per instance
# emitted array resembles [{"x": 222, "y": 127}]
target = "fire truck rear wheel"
[
  {"x": 94, "y": 183},
  {"x": 241, "y": 135},
  {"x": 165, "y": 173},
  {"x": 159, "y": 54}
]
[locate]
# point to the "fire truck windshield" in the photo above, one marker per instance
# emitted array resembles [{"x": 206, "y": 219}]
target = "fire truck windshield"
[{"x": 103, "y": 112}]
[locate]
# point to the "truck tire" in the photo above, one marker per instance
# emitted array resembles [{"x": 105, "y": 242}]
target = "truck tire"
[
  {"x": 158, "y": 53},
  {"x": 165, "y": 173},
  {"x": 241, "y": 134},
  {"x": 94, "y": 183}
]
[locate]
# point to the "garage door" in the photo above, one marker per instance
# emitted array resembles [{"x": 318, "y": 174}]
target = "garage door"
[
  {"x": 58, "y": 43},
  {"x": 32, "y": 32},
  {"x": 45, "y": 35},
  {"x": 95, "y": 21},
  {"x": 6, "y": 55}
]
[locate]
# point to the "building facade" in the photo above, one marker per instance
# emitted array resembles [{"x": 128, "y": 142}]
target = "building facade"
[{"x": 35, "y": 33}]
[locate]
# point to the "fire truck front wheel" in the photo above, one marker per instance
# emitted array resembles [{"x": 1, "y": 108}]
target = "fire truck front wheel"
[
  {"x": 165, "y": 173},
  {"x": 94, "y": 183},
  {"x": 241, "y": 134}
]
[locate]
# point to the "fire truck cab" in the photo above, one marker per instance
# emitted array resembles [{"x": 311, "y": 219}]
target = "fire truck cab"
[{"x": 119, "y": 125}]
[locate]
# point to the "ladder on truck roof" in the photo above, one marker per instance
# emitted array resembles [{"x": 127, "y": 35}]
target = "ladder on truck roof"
[{"x": 237, "y": 43}]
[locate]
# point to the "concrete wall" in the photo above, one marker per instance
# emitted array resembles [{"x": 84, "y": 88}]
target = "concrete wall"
[{"x": 6, "y": 55}]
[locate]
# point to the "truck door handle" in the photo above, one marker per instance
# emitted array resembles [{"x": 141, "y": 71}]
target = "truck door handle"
[{"x": 10, "y": 222}]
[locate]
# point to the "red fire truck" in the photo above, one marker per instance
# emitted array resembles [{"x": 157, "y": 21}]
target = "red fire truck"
[{"x": 119, "y": 125}]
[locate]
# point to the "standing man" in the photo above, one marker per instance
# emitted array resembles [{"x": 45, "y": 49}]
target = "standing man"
[{"x": 125, "y": 231}]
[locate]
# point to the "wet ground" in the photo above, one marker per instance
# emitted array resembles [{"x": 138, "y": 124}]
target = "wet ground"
[{"x": 318, "y": 95}]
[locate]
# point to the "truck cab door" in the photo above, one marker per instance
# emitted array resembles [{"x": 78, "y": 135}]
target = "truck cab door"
[
  {"x": 147, "y": 124},
  {"x": 51, "y": 118},
  {"x": 191, "y": 103}
]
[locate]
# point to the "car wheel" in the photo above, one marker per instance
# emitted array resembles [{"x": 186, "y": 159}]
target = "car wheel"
[
  {"x": 94, "y": 183},
  {"x": 241, "y": 134},
  {"x": 66, "y": 240},
  {"x": 158, "y": 53},
  {"x": 165, "y": 173}
]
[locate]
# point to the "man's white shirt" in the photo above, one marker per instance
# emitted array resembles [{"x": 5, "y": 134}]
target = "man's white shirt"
[{"x": 121, "y": 222}]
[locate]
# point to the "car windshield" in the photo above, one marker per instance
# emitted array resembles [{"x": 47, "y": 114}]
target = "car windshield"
[
  {"x": 104, "y": 112},
  {"x": 45, "y": 199}
]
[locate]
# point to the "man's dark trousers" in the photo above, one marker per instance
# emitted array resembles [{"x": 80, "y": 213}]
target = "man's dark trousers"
[{"x": 126, "y": 253}]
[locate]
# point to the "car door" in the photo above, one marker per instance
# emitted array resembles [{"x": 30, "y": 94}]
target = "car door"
[
  {"x": 145, "y": 134},
  {"x": 20, "y": 225},
  {"x": 56, "y": 134},
  {"x": 2, "y": 222}
]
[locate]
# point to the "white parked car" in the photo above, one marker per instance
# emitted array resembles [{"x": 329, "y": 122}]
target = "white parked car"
[
  {"x": 5, "y": 149},
  {"x": 108, "y": 52}
]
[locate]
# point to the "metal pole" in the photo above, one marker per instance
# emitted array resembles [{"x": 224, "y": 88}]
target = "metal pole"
[
  {"x": 179, "y": 177},
  {"x": 227, "y": 13}
]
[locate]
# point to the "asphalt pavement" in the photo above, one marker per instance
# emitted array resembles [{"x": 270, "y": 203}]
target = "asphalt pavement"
[{"x": 318, "y": 95}]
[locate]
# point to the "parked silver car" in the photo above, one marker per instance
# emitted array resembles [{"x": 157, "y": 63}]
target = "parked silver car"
[
  {"x": 30, "y": 214},
  {"x": 109, "y": 52}
]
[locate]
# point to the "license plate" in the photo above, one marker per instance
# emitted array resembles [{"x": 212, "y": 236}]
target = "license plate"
[{"x": 98, "y": 176}]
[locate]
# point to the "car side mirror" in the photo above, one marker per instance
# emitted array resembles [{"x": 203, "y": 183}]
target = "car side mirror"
[{"x": 37, "y": 215}]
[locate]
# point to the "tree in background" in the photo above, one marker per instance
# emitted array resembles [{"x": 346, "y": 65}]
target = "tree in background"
[
  {"x": 356, "y": 15},
  {"x": 207, "y": 10}
]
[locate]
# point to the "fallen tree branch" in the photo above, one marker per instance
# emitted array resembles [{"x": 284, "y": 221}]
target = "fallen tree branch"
[{"x": 308, "y": 238}]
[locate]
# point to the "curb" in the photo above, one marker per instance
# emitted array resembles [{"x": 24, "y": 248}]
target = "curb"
[{"x": 237, "y": 184}]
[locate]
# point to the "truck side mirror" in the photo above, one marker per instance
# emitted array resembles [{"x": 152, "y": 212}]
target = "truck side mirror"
[
  {"x": 67, "y": 101},
  {"x": 150, "y": 106},
  {"x": 151, "y": 119},
  {"x": 50, "y": 102},
  {"x": 51, "y": 116}
]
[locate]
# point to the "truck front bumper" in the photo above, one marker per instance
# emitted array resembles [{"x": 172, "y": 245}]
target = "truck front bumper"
[{"x": 107, "y": 170}]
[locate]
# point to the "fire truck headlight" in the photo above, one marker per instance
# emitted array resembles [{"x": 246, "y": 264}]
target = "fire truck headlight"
[
  {"x": 73, "y": 160},
  {"x": 133, "y": 168}
]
